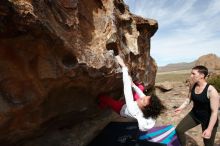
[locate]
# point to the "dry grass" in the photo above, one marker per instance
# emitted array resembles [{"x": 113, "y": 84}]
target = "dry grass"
[{"x": 173, "y": 76}]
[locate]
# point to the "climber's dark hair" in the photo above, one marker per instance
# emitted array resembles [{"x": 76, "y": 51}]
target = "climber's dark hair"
[{"x": 155, "y": 108}]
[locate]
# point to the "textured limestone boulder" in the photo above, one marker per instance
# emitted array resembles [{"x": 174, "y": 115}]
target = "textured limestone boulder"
[
  {"x": 56, "y": 56},
  {"x": 165, "y": 86}
]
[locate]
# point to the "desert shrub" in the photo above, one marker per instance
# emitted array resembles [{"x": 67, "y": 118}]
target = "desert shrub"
[{"x": 215, "y": 81}]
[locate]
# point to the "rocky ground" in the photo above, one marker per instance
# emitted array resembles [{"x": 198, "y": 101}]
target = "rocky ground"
[{"x": 83, "y": 133}]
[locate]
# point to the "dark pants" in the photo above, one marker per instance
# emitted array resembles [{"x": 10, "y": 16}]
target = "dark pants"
[{"x": 187, "y": 123}]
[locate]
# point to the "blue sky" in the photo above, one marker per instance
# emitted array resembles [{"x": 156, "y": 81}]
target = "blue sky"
[{"x": 187, "y": 29}]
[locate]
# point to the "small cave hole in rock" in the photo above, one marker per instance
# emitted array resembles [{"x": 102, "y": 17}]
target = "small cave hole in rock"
[
  {"x": 69, "y": 61},
  {"x": 113, "y": 46}
]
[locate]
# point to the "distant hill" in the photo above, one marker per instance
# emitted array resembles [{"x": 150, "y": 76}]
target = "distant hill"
[
  {"x": 176, "y": 66},
  {"x": 211, "y": 61}
]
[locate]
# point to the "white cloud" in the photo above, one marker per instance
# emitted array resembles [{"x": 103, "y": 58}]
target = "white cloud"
[
  {"x": 187, "y": 28},
  {"x": 213, "y": 8}
]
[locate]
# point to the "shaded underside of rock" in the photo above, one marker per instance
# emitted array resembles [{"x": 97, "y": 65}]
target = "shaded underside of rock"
[{"x": 58, "y": 55}]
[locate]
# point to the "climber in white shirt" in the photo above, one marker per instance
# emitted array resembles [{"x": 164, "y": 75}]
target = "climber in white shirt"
[{"x": 144, "y": 109}]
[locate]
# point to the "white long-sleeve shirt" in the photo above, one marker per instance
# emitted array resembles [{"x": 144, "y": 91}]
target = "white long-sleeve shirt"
[{"x": 131, "y": 109}]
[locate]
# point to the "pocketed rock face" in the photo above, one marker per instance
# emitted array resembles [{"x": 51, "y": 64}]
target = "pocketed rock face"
[{"x": 58, "y": 55}]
